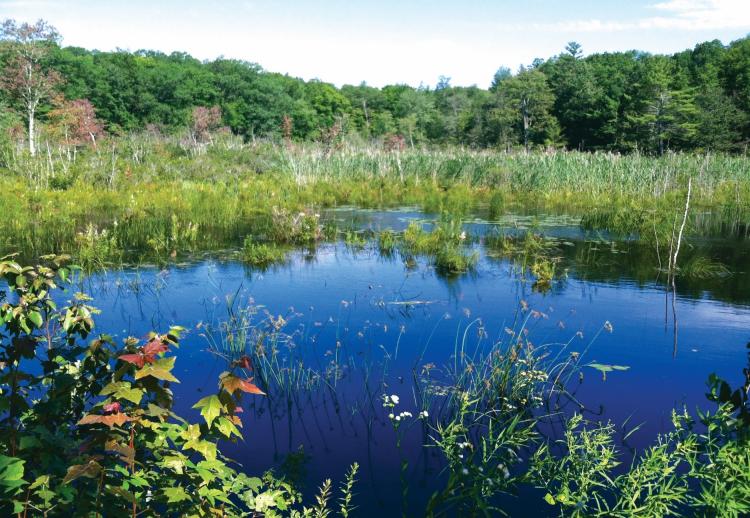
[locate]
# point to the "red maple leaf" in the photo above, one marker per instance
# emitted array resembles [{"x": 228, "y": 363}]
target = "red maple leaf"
[
  {"x": 112, "y": 408},
  {"x": 110, "y": 420},
  {"x": 232, "y": 383},
  {"x": 138, "y": 359},
  {"x": 146, "y": 354},
  {"x": 155, "y": 347},
  {"x": 244, "y": 362},
  {"x": 250, "y": 388}
]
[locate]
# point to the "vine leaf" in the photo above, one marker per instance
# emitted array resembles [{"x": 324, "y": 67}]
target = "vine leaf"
[
  {"x": 193, "y": 442},
  {"x": 122, "y": 390},
  {"x": 11, "y": 475},
  {"x": 227, "y": 427}
]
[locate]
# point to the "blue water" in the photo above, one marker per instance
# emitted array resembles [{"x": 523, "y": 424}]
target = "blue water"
[{"x": 371, "y": 315}]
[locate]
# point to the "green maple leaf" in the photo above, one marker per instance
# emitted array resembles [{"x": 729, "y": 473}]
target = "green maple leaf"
[
  {"x": 206, "y": 448},
  {"x": 227, "y": 427},
  {"x": 175, "y": 463},
  {"x": 210, "y": 408},
  {"x": 123, "y": 390},
  {"x": 193, "y": 441},
  {"x": 160, "y": 369},
  {"x": 11, "y": 475},
  {"x": 175, "y": 494}
]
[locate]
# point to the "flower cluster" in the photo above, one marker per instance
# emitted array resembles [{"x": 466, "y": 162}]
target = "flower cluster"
[
  {"x": 533, "y": 375},
  {"x": 390, "y": 401}
]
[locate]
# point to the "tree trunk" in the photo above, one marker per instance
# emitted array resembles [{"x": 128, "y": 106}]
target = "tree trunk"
[
  {"x": 367, "y": 115},
  {"x": 526, "y": 123},
  {"x": 32, "y": 143}
]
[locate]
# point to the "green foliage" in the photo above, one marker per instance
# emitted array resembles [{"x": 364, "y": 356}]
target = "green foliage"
[
  {"x": 159, "y": 204},
  {"x": 480, "y": 471},
  {"x": 701, "y": 267},
  {"x": 95, "y": 249},
  {"x": 89, "y": 429},
  {"x": 355, "y": 239},
  {"x": 706, "y": 472},
  {"x": 696, "y": 99},
  {"x": 345, "y": 503},
  {"x": 444, "y": 244},
  {"x": 543, "y": 270},
  {"x": 261, "y": 254},
  {"x": 522, "y": 111},
  {"x": 530, "y": 251},
  {"x": 386, "y": 242},
  {"x": 574, "y": 478}
]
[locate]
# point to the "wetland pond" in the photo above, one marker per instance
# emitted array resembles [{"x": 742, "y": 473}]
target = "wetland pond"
[{"x": 344, "y": 325}]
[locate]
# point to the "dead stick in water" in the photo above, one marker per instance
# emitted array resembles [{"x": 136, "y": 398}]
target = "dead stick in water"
[{"x": 682, "y": 227}]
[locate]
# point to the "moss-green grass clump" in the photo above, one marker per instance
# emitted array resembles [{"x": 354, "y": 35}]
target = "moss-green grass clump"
[{"x": 262, "y": 254}]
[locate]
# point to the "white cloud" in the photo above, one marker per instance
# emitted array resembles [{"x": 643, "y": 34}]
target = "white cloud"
[
  {"x": 24, "y": 4},
  {"x": 686, "y": 15},
  {"x": 703, "y": 14}
]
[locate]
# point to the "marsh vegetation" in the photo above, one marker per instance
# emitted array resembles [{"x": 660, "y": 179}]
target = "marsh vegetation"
[{"x": 443, "y": 311}]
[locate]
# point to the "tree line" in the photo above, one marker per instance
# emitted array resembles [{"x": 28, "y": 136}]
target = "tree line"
[{"x": 698, "y": 99}]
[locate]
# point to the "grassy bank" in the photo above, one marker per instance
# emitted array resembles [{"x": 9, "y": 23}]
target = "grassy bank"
[{"x": 148, "y": 198}]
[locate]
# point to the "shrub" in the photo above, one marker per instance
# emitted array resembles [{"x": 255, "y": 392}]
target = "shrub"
[{"x": 89, "y": 429}]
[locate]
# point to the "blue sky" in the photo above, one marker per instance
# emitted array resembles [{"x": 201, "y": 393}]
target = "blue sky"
[{"x": 388, "y": 41}]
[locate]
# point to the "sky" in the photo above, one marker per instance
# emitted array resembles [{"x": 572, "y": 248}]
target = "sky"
[{"x": 388, "y": 41}]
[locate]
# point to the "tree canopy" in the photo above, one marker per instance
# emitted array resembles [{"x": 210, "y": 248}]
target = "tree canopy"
[{"x": 697, "y": 99}]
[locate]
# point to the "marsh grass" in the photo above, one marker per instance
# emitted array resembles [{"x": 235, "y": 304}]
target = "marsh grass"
[
  {"x": 355, "y": 239},
  {"x": 483, "y": 410},
  {"x": 157, "y": 201},
  {"x": 444, "y": 244},
  {"x": 702, "y": 267},
  {"x": 387, "y": 242},
  {"x": 530, "y": 252},
  {"x": 262, "y": 255},
  {"x": 487, "y": 430}
]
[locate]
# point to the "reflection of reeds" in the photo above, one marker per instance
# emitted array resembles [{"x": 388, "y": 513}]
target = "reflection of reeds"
[
  {"x": 444, "y": 245},
  {"x": 529, "y": 252},
  {"x": 480, "y": 409}
]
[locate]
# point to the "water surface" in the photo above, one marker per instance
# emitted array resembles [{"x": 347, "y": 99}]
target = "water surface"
[{"x": 382, "y": 323}]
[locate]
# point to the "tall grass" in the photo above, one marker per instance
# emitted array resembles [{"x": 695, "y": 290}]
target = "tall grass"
[{"x": 148, "y": 196}]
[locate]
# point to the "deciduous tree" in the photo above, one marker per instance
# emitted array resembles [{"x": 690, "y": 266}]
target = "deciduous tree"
[
  {"x": 26, "y": 75},
  {"x": 76, "y": 121}
]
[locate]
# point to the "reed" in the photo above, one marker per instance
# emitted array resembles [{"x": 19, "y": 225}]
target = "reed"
[{"x": 147, "y": 199}]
